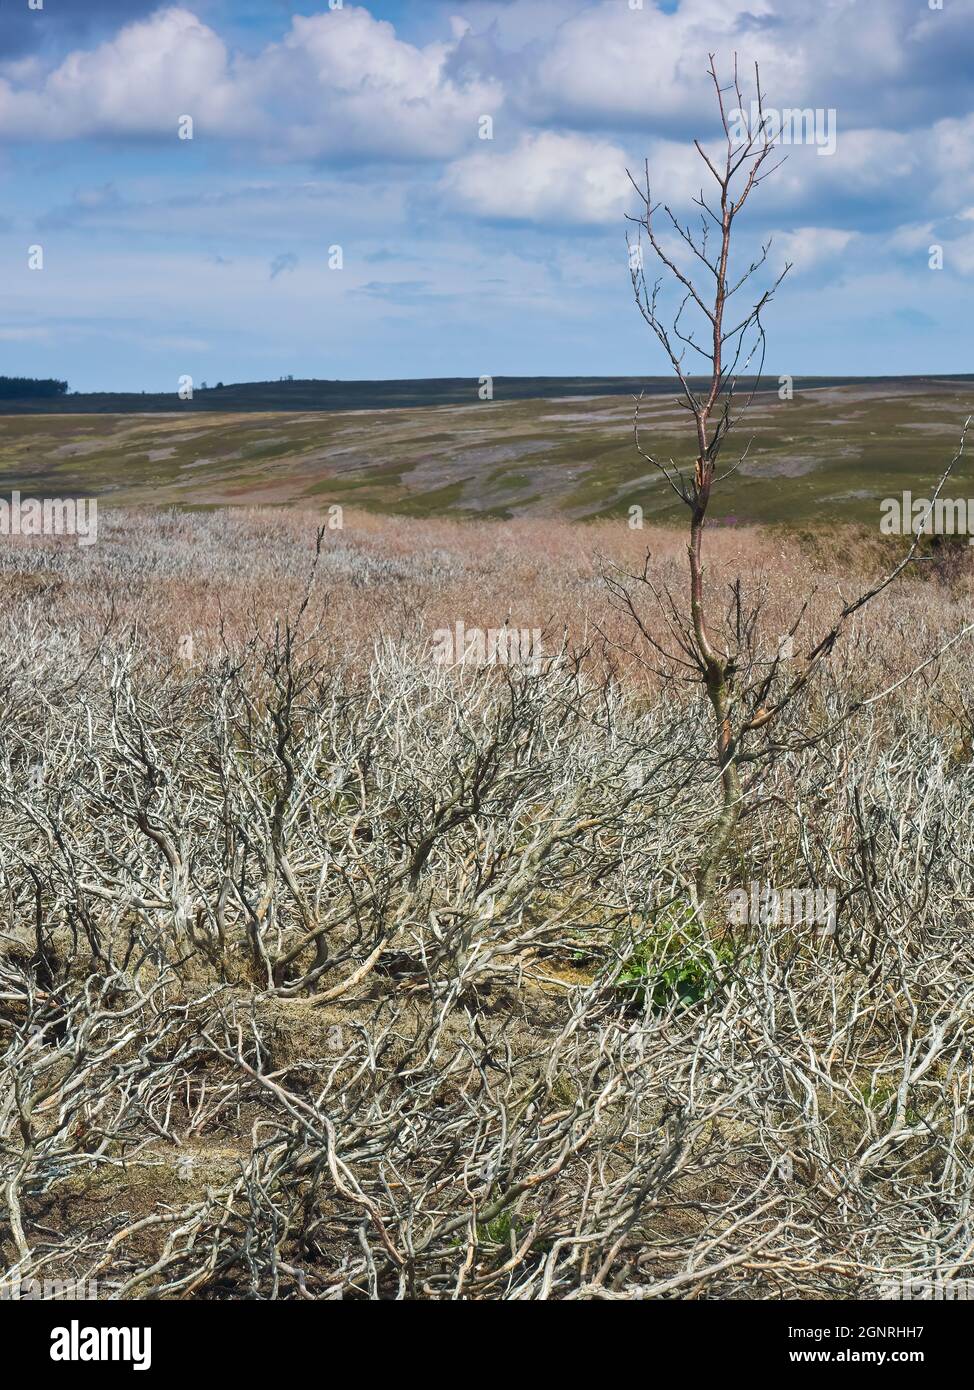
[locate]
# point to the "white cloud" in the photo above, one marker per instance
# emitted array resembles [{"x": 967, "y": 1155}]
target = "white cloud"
[
  {"x": 140, "y": 82},
  {"x": 950, "y": 144},
  {"x": 549, "y": 178},
  {"x": 807, "y": 247},
  {"x": 340, "y": 84},
  {"x": 343, "y": 85},
  {"x": 613, "y": 63}
]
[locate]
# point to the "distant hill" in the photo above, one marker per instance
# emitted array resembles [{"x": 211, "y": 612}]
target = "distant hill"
[
  {"x": 313, "y": 395},
  {"x": 826, "y": 455}
]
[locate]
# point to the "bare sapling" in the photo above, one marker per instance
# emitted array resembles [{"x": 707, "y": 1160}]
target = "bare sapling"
[{"x": 713, "y": 335}]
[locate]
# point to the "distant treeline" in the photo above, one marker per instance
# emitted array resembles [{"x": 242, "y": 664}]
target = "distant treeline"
[
  {"x": 27, "y": 388},
  {"x": 310, "y": 395}
]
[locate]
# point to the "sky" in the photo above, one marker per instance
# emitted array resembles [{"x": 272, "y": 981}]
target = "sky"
[{"x": 338, "y": 132}]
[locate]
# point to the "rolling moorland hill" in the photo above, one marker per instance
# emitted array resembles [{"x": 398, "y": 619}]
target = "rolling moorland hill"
[{"x": 828, "y": 455}]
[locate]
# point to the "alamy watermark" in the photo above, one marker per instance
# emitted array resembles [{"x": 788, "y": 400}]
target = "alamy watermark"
[
  {"x": 496, "y": 646},
  {"x": 50, "y": 516},
  {"x": 763, "y": 903},
  {"x": 77, "y": 1343},
  {"x": 941, "y": 516},
  {"x": 791, "y": 125},
  {"x": 923, "y": 1289},
  {"x": 47, "y": 1290}
]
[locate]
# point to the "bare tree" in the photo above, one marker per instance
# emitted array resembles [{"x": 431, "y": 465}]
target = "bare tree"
[{"x": 747, "y": 689}]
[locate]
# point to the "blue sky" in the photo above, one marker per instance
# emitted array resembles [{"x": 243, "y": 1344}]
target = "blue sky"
[{"x": 361, "y": 127}]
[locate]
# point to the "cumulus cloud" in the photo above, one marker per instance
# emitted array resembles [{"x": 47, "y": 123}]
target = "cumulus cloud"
[
  {"x": 138, "y": 83},
  {"x": 547, "y": 177},
  {"x": 873, "y": 175},
  {"x": 614, "y": 65},
  {"x": 351, "y": 87},
  {"x": 341, "y": 84},
  {"x": 954, "y": 236},
  {"x": 577, "y": 90},
  {"x": 872, "y": 59}
]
